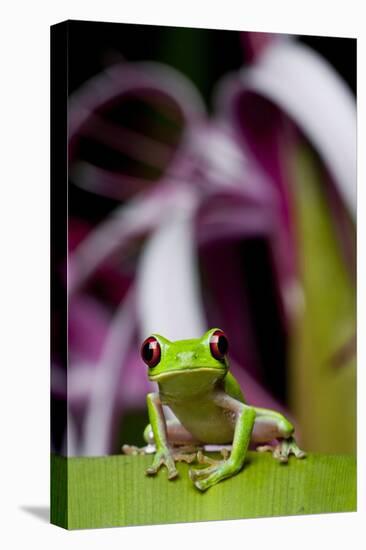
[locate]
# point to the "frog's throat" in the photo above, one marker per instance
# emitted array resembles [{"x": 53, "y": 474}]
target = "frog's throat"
[{"x": 187, "y": 383}]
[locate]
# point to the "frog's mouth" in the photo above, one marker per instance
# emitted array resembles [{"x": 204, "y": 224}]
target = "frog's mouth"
[
  {"x": 188, "y": 380},
  {"x": 215, "y": 371}
]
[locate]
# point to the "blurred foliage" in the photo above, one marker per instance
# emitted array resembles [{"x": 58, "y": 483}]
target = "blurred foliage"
[{"x": 323, "y": 371}]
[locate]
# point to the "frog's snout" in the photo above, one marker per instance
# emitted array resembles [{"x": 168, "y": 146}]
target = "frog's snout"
[{"x": 186, "y": 356}]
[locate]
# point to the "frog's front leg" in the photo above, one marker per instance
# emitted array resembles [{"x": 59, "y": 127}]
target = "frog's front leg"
[
  {"x": 230, "y": 465},
  {"x": 163, "y": 455},
  {"x": 164, "y": 435},
  {"x": 270, "y": 425}
]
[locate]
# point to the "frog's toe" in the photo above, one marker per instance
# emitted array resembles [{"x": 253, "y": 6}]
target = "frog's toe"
[
  {"x": 281, "y": 453},
  {"x": 133, "y": 450},
  {"x": 172, "y": 473},
  {"x": 170, "y": 465},
  {"x": 201, "y": 473},
  {"x": 276, "y": 450},
  {"x": 299, "y": 453},
  {"x": 211, "y": 477},
  {"x": 201, "y": 485},
  {"x": 295, "y": 449},
  {"x": 225, "y": 453},
  {"x": 289, "y": 447},
  {"x": 184, "y": 454},
  {"x": 153, "y": 469},
  {"x": 283, "y": 450},
  {"x": 202, "y": 479},
  {"x": 130, "y": 450},
  {"x": 185, "y": 457},
  {"x": 203, "y": 459},
  {"x": 156, "y": 465},
  {"x": 264, "y": 448}
]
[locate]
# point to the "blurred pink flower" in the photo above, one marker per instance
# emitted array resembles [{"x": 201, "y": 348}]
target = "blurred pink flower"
[{"x": 201, "y": 209}]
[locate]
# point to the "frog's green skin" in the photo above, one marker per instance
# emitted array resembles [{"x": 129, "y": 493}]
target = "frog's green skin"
[{"x": 210, "y": 409}]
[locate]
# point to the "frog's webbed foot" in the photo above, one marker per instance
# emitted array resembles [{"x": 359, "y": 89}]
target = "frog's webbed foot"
[
  {"x": 216, "y": 471},
  {"x": 163, "y": 457},
  {"x": 133, "y": 450},
  {"x": 283, "y": 450},
  {"x": 168, "y": 457}
]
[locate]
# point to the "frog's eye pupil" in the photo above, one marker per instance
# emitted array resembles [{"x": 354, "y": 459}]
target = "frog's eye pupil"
[
  {"x": 151, "y": 351},
  {"x": 222, "y": 344},
  {"x": 147, "y": 352},
  {"x": 219, "y": 344}
]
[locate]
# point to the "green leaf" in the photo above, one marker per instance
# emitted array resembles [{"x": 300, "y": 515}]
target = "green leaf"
[{"x": 114, "y": 490}]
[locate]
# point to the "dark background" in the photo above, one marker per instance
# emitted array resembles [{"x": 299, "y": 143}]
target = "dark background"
[{"x": 203, "y": 55}]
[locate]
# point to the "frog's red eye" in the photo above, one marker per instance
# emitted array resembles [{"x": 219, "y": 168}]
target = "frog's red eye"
[
  {"x": 219, "y": 344},
  {"x": 151, "y": 351}
]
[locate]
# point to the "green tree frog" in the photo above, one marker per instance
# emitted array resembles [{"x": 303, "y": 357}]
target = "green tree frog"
[{"x": 195, "y": 383}]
